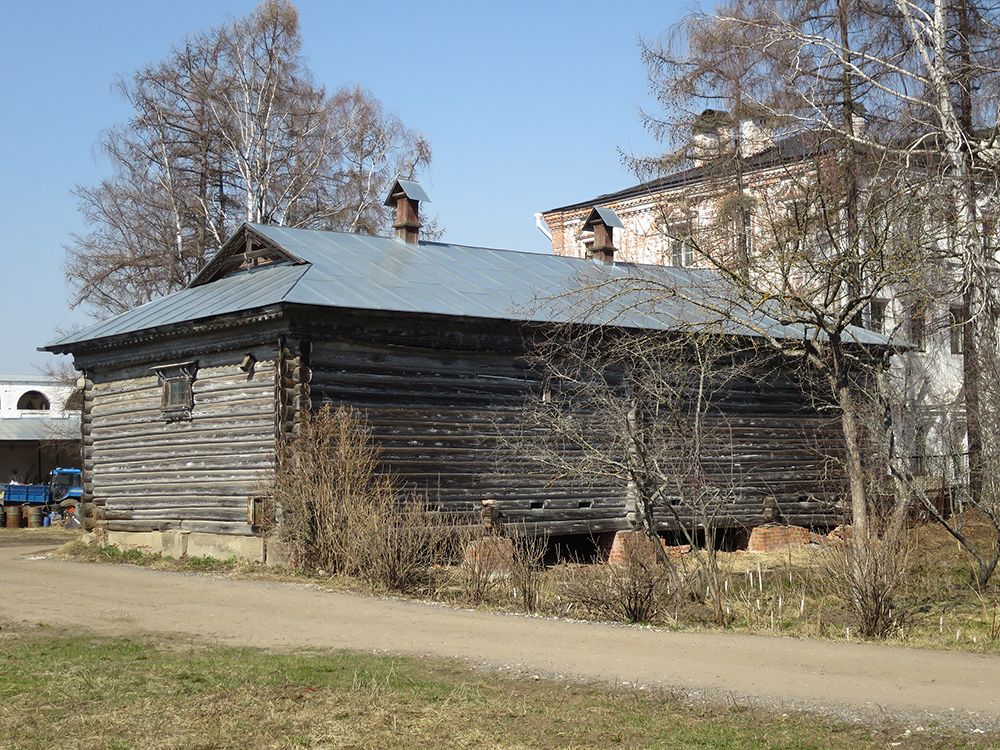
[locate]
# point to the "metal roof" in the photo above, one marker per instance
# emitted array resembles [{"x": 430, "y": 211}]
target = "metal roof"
[
  {"x": 353, "y": 271},
  {"x": 39, "y": 429},
  {"x": 412, "y": 190},
  {"x": 604, "y": 215},
  {"x": 791, "y": 148},
  {"x": 242, "y": 291},
  {"x": 31, "y": 379}
]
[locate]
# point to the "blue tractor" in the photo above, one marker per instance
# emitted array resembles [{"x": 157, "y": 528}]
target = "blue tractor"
[{"x": 65, "y": 488}]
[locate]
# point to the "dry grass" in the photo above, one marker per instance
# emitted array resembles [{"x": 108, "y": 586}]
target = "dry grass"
[
  {"x": 338, "y": 513},
  {"x": 79, "y": 691},
  {"x": 787, "y": 592}
]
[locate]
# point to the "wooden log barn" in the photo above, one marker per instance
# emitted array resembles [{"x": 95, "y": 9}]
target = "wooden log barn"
[{"x": 186, "y": 397}]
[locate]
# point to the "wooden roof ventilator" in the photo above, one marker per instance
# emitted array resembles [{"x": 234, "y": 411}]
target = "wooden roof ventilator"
[
  {"x": 406, "y": 196},
  {"x": 602, "y": 221}
]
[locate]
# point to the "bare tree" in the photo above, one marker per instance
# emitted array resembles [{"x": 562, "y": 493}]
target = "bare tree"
[
  {"x": 644, "y": 409},
  {"x": 230, "y": 128},
  {"x": 899, "y": 101}
]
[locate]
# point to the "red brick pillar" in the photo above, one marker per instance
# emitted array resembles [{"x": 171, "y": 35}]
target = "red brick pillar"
[{"x": 771, "y": 537}]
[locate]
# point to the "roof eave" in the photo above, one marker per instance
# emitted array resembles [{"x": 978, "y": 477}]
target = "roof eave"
[
  {"x": 171, "y": 330},
  {"x": 684, "y": 177}
]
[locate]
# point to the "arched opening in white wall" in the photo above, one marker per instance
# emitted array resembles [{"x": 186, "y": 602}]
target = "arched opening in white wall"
[{"x": 33, "y": 401}]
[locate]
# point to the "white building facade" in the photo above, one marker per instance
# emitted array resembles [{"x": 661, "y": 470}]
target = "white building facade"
[
  {"x": 39, "y": 427},
  {"x": 929, "y": 413}
]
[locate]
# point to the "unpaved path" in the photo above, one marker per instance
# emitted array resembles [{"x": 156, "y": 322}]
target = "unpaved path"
[{"x": 853, "y": 680}]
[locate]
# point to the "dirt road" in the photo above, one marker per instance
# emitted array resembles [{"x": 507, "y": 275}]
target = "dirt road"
[{"x": 852, "y": 680}]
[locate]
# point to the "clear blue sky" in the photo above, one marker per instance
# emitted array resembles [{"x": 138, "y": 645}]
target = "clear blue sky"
[{"x": 526, "y": 105}]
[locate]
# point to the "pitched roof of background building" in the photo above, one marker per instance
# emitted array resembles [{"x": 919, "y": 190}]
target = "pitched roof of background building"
[
  {"x": 353, "y": 271},
  {"x": 40, "y": 429},
  {"x": 30, "y": 380},
  {"x": 791, "y": 148}
]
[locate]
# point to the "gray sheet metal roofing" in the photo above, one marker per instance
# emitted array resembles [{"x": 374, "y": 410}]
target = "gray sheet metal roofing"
[
  {"x": 344, "y": 270},
  {"x": 791, "y": 148},
  {"x": 412, "y": 190},
  {"x": 39, "y": 429},
  {"x": 607, "y": 215}
]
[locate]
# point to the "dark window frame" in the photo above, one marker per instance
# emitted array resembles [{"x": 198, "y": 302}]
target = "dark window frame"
[
  {"x": 33, "y": 401},
  {"x": 681, "y": 249},
  {"x": 956, "y": 328},
  {"x": 176, "y": 389},
  {"x": 876, "y": 313},
  {"x": 917, "y": 332},
  {"x": 921, "y": 460}
]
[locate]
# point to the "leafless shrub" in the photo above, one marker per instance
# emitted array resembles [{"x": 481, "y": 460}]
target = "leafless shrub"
[
  {"x": 339, "y": 514},
  {"x": 869, "y": 575},
  {"x": 527, "y": 567},
  {"x": 485, "y": 569},
  {"x": 631, "y": 590},
  {"x": 395, "y": 544}
]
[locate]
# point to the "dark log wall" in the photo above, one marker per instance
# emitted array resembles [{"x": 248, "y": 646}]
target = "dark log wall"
[
  {"x": 443, "y": 399},
  {"x": 145, "y": 472},
  {"x": 765, "y": 438},
  {"x": 445, "y": 421}
]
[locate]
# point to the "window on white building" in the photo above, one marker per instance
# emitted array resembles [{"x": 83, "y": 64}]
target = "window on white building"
[
  {"x": 956, "y": 326},
  {"x": 876, "y": 311},
  {"x": 922, "y": 459},
  {"x": 33, "y": 401},
  {"x": 681, "y": 249}
]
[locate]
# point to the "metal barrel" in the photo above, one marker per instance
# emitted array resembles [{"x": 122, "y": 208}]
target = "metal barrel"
[
  {"x": 34, "y": 517},
  {"x": 13, "y": 516}
]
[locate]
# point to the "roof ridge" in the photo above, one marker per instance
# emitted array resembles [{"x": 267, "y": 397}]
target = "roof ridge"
[
  {"x": 687, "y": 174},
  {"x": 444, "y": 245}
]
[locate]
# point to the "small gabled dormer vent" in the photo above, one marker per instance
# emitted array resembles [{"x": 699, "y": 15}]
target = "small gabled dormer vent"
[
  {"x": 602, "y": 221},
  {"x": 256, "y": 253},
  {"x": 246, "y": 249}
]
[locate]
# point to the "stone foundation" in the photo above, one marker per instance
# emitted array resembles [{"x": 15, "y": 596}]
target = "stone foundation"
[
  {"x": 178, "y": 544},
  {"x": 279, "y": 555},
  {"x": 632, "y": 544}
]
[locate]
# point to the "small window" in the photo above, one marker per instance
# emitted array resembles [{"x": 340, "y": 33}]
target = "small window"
[
  {"x": 33, "y": 401},
  {"x": 956, "y": 326},
  {"x": 681, "y": 251},
  {"x": 680, "y": 246},
  {"x": 877, "y": 312},
  {"x": 918, "y": 325},
  {"x": 177, "y": 393},
  {"x": 922, "y": 459}
]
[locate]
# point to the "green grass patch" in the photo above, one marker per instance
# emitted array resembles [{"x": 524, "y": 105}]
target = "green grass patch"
[
  {"x": 58, "y": 690},
  {"x": 78, "y": 550}
]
